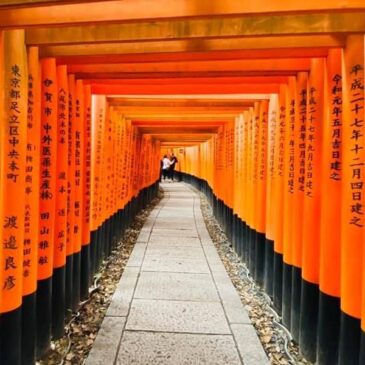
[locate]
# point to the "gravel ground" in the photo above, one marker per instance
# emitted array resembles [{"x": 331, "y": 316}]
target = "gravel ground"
[
  {"x": 83, "y": 327},
  {"x": 275, "y": 339}
]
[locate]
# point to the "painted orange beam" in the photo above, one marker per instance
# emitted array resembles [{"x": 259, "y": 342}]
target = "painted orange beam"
[
  {"x": 158, "y": 102},
  {"x": 183, "y": 126},
  {"x": 28, "y": 3},
  {"x": 100, "y": 77},
  {"x": 182, "y": 117},
  {"x": 177, "y": 130},
  {"x": 282, "y": 64},
  {"x": 200, "y": 28},
  {"x": 184, "y": 89},
  {"x": 127, "y": 10},
  {"x": 233, "y": 54},
  {"x": 191, "y": 80},
  {"x": 181, "y": 110},
  {"x": 192, "y": 45},
  {"x": 161, "y": 123}
]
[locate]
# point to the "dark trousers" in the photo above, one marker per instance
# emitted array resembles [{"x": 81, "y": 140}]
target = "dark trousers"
[
  {"x": 171, "y": 173},
  {"x": 165, "y": 173}
]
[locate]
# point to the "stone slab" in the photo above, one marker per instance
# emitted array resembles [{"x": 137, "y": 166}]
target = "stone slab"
[
  {"x": 176, "y": 286},
  {"x": 123, "y": 295},
  {"x": 105, "y": 346},
  {"x": 212, "y": 255},
  {"x": 249, "y": 345},
  {"x": 231, "y": 301},
  {"x": 177, "y": 316},
  {"x": 173, "y": 223},
  {"x": 137, "y": 255},
  {"x": 175, "y": 251},
  {"x": 175, "y": 232},
  {"x": 175, "y": 264},
  {"x": 146, "y": 348},
  {"x": 143, "y": 237},
  {"x": 174, "y": 241}
]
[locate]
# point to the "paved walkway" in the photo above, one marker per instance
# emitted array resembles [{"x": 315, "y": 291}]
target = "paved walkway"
[{"x": 175, "y": 303}]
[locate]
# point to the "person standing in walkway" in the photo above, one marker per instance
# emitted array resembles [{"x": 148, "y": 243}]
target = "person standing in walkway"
[
  {"x": 166, "y": 163},
  {"x": 173, "y": 161}
]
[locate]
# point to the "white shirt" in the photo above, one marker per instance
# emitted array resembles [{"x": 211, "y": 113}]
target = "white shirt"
[{"x": 166, "y": 163}]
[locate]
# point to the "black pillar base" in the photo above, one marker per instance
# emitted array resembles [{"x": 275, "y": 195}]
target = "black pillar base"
[
  {"x": 76, "y": 273},
  {"x": 362, "y": 349},
  {"x": 329, "y": 319},
  {"x": 269, "y": 267},
  {"x": 68, "y": 286},
  {"x": 58, "y": 302},
  {"x": 309, "y": 320},
  {"x": 29, "y": 329},
  {"x": 287, "y": 286},
  {"x": 350, "y": 338},
  {"x": 10, "y": 337},
  {"x": 85, "y": 269},
  {"x": 278, "y": 281},
  {"x": 260, "y": 258},
  {"x": 44, "y": 316},
  {"x": 296, "y": 290}
]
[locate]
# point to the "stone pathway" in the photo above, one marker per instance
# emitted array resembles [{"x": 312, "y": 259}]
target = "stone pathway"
[{"x": 175, "y": 303}]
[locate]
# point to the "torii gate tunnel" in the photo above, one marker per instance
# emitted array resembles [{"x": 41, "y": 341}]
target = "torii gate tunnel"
[{"x": 261, "y": 101}]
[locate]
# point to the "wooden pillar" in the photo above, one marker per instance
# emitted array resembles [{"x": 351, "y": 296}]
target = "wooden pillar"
[
  {"x": 85, "y": 243},
  {"x": 69, "y": 286},
  {"x": 330, "y": 239},
  {"x": 270, "y": 207},
  {"x": 78, "y": 145},
  {"x": 352, "y": 208},
  {"x": 299, "y": 187},
  {"x": 261, "y": 192},
  {"x": 97, "y": 137},
  {"x": 311, "y": 214},
  {"x": 278, "y": 187},
  {"x": 288, "y": 195},
  {"x": 31, "y": 223},
  {"x": 47, "y": 206},
  {"x": 60, "y": 233},
  {"x": 14, "y": 133}
]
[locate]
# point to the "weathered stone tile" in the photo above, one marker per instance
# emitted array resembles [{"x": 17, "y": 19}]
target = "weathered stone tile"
[
  {"x": 177, "y": 316},
  {"x": 105, "y": 346},
  {"x": 176, "y": 286},
  {"x": 146, "y": 348}
]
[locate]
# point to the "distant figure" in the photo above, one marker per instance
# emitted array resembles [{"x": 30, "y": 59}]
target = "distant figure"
[
  {"x": 166, "y": 163},
  {"x": 173, "y": 161}
]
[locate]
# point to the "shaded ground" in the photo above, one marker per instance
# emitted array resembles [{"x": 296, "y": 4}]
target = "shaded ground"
[{"x": 81, "y": 331}]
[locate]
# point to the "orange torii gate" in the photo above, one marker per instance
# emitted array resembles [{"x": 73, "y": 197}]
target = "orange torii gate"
[{"x": 262, "y": 103}]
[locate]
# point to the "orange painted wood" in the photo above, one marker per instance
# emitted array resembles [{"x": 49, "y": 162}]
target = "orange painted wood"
[
  {"x": 14, "y": 133},
  {"x": 299, "y": 183},
  {"x": 289, "y": 171},
  {"x": 87, "y": 166},
  {"x": 70, "y": 242},
  {"x": 352, "y": 220},
  {"x": 31, "y": 223},
  {"x": 270, "y": 176},
  {"x": 97, "y": 130},
  {"x": 262, "y": 166},
  {"x": 330, "y": 244},
  {"x": 78, "y": 128},
  {"x": 183, "y": 89},
  {"x": 60, "y": 234},
  {"x": 49, "y": 104},
  {"x": 278, "y": 182},
  {"x": 312, "y": 190}
]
